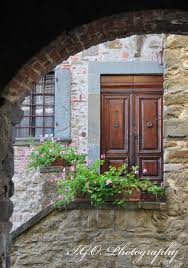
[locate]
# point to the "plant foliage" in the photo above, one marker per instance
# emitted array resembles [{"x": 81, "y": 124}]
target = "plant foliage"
[{"x": 85, "y": 181}]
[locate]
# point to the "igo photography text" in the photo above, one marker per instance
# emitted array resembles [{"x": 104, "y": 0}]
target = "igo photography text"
[{"x": 82, "y": 251}]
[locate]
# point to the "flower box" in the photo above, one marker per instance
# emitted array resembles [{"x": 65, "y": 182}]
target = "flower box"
[
  {"x": 149, "y": 197},
  {"x": 60, "y": 163},
  {"x": 135, "y": 196},
  {"x": 43, "y": 154}
]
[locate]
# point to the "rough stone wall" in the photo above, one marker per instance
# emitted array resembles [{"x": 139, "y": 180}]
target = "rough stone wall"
[
  {"x": 176, "y": 123},
  {"x": 9, "y": 116},
  {"x": 28, "y": 188},
  {"x": 33, "y": 191},
  {"x": 47, "y": 242},
  {"x": 28, "y": 184}
]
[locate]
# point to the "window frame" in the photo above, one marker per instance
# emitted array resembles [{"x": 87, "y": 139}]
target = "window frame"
[{"x": 62, "y": 108}]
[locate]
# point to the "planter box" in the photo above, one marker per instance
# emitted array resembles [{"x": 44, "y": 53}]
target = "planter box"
[
  {"x": 148, "y": 197},
  {"x": 135, "y": 196},
  {"x": 60, "y": 163}
]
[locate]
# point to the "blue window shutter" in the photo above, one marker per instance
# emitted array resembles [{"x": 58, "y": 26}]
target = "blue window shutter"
[{"x": 62, "y": 103}]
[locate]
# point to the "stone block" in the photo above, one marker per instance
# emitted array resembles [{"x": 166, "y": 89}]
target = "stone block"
[
  {"x": 176, "y": 41},
  {"x": 105, "y": 218},
  {"x": 178, "y": 156},
  {"x": 176, "y": 98},
  {"x": 92, "y": 51},
  {"x": 175, "y": 128},
  {"x": 6, "y": 210},
  {"x": 115, "y": 44},
  {"x": 172, "y": 167},
  {"x": 16, "y": 115}
]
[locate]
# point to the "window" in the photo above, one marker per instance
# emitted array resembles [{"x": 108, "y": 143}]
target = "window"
[{"x": 39, "y": 109}]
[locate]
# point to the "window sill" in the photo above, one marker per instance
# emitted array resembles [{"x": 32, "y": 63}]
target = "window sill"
[{"x": 26, "y": 142}]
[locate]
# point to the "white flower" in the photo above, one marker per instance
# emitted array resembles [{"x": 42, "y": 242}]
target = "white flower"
[
  {"x": 145, "y": 171},
  {"x": 72, "y": 168},
  {"x": 108, "y": 182}
]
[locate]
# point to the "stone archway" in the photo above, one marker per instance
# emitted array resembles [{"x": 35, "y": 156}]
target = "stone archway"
[
  {"x": 108, "y": 28},
  {"x": 93, "y": 33}
]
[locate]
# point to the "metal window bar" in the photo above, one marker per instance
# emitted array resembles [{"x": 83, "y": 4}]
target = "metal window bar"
[{"x": 41, "y": 97}]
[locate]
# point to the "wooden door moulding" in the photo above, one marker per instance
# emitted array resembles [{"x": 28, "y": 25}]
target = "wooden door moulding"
[{"x": 152, "y": 82}]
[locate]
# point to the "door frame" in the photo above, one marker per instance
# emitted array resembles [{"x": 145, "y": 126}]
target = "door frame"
[{"x": 95, "y": 70}]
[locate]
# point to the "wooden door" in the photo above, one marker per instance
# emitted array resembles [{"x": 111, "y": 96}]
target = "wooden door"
[{"x": 131, "y": 123}]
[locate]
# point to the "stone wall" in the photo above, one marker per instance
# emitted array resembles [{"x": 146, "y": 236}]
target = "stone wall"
[
  {"x": 176, "y": 123},
  {"x": 28, "y": 184},
  {"x": 46, "y": 242},
  {"x": 28, "y": 188},
  {"x": 33, "y": 190},
  {"x": 9, "y": 116}
]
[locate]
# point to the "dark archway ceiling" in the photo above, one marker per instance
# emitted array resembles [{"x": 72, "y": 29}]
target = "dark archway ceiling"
[{"x": 27, "y": 26}]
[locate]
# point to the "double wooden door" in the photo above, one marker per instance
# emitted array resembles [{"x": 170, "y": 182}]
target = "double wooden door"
[{"x": 132, "y": 123}]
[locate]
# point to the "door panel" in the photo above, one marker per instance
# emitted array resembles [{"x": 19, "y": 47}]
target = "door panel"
[
  {"x": 116, "y": 113},
  {"x": 148, "y": 149},
  {"x": 148, "y": 118},
  {"x": 115, "y": 128},
  {"x": 131, "y": 123},
  {"x": 152, "y": 165},
  {"x": 148, "y": 124},
  {"x": 117, "y": 162}
]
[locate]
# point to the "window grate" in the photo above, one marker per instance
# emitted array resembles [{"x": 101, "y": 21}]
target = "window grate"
[{"x": 38, "y": 109}]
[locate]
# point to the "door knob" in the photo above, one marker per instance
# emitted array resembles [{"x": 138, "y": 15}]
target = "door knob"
[
  {"x": 116, "y": 125},
  {"x": 149, "y": 125}
]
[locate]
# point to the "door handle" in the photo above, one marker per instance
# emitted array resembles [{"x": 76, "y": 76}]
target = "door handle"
[
  {"x": 149, "y": 124},
  {"x": 136, "y": 137},
  {"x": 116, "y": 125}
]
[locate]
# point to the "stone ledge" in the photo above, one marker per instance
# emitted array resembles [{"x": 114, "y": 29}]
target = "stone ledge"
[
  {"x": 26, "y": 142},
  {"x": 51, "y": 169},
  {"x": 85, "y": 204},
  {"x": 79, "y": 204}
]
